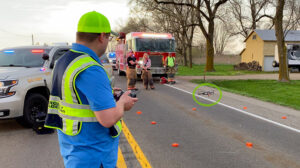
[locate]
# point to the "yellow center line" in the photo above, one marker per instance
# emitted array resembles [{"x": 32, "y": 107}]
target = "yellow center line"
[
  {"x": 121, "y": 162},
  {"x": 135, "y": 147}
]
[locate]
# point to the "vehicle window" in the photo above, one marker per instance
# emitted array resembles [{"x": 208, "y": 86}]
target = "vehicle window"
[
  {"x": 294, "y": 54},
  {"x": 129, "y": 42},
  {"x": 296, "y": 47},
  {"x": 158, "y": 45},
  {"x": 59, "y": 53},
  {"x": 22, "y": 57},
  {"x": 297, "y": 54}
]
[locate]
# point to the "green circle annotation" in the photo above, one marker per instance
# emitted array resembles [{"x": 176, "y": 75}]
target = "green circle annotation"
[{"x": 211, "y": 85}]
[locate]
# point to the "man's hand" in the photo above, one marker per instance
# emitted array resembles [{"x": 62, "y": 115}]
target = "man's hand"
[
  {"x": 132, "y": 62},
  {"x": 127, "y": 101}
]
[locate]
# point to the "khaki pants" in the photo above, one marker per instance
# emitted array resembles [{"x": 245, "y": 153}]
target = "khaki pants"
[
  {"x": 131, "y": 77},
  {"x": 147, "y": 78},
  {"x": 171, "y": 73}
]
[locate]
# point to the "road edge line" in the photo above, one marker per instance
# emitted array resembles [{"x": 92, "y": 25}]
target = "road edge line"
[{"x": 242, "y": 111}]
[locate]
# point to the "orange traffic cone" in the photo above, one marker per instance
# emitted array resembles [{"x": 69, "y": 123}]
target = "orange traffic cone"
[
  {"x": 175, "y": 144},
  {"x": 249, "y": 144}
]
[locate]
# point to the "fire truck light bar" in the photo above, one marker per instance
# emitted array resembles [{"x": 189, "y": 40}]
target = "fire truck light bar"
[{"x": 155, "y": 35}]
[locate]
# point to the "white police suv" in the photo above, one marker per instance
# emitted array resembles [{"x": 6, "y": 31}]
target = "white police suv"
[{"x": 25, "y": 80}]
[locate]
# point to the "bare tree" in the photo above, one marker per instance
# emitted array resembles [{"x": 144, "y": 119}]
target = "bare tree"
[
  {"x": 187, "y": 22},
  {"x": 286, "y": 18},
  {"x": 291, "y": 15},
  {"x": 178, "y": 20},
  {"x": 221, "y": 37},
  {"x": 297, "y": 15},
  {"x": 247, "y": 13},
  {"x": 283, "y": 24},
  {"x": 206, "y": 9},
  {"x": 278, "y": 20},
  {"x": 139, "y": 20},
  {"x": 281, "y": 30},
  {"x": 134, "y": 25}
]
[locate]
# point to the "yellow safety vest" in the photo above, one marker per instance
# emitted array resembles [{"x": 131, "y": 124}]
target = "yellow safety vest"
[
  {"x": 170, "y": 61},
  {"x": 68, "y": 113}
]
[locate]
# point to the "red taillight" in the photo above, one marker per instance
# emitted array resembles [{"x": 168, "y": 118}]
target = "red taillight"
[{"x": 37, "y": 51}]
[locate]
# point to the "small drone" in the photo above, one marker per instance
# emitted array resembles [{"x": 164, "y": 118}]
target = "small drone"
[{"x": 207, "y": 93}]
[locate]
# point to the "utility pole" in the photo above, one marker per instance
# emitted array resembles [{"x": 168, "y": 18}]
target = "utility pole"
[{"x": 32, "y": 39}]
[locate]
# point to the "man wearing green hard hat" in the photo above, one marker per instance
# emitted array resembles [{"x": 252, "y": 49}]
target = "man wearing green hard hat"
[{"x": 81, "y": 105}]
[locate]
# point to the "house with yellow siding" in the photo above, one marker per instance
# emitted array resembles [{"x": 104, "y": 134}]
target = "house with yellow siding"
[{"x": 260, "y": 47}]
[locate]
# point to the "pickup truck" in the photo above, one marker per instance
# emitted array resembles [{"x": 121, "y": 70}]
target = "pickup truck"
[
  {"x": 25, "y": 81},
  {"x": 293, "y": 56}
]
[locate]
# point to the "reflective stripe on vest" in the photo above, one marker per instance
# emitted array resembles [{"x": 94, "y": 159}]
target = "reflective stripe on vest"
[
  {"x": 170, "y": 61},
  {"x": 65, "y": 110},
  {"x": 118, "y": 129},
  {"x": 70, "y": 109}
]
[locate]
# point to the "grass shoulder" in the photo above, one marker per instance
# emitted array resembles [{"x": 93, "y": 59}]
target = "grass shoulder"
[
  {"x": 220, "y": 70},
  {"x": 286, "y": 94}
]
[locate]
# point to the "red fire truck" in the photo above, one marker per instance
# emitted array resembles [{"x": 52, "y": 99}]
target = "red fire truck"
[{"x": 157, "y": 45}]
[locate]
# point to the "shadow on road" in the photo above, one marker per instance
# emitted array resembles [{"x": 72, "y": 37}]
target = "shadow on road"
[{"x": 10, "y": 125}]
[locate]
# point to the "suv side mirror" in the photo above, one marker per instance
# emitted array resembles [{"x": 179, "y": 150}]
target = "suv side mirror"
[
  {"x": 45, "y": 56},
  {"x": 51, "y": 65}
]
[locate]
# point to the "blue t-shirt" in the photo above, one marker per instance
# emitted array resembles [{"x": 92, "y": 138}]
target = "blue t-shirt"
[{"x": 93, "y": 146}]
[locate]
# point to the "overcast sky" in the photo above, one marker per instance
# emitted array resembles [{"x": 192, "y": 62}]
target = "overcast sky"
[{"x": 52, "y": 20}]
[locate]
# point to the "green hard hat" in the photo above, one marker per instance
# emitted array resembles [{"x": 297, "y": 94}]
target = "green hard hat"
[{"x": 93, "y": 22}]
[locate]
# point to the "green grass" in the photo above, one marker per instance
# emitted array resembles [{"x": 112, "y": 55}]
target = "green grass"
[
  {"x": 287, "y": 94},
  {"x": 221, "y": 70}
]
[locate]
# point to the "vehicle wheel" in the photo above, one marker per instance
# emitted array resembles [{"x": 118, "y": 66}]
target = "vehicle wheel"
[
  {"x": 119, "y": 72},
  {"x": 275, "y": 64},
  {"x": 35, "y": 107}
]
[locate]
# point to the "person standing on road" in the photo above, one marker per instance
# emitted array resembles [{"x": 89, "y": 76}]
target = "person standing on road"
[
  {"x": 170, "y": 63},
  {"x": 146, "y": 73},
  {"x": 82, "y": 106},
  {"x": 131, "y": 71}
]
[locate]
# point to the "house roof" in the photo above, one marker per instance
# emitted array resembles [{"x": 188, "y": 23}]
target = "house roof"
[
  {"x": 242, "y": 51},
  {"x": 269, "y": 35}
]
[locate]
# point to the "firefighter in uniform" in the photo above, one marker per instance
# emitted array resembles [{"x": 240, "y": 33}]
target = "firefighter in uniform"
[
  {"x": 81, "y": 104},
  {"x": 170, "y": 63},
  {"x": 131, "y": 71},
  {"x": 146, "y": 72}
]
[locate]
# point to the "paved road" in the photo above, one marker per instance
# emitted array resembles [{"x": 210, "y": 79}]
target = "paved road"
[
  {"x": 211, "y": 137},
  {"x": 23, "y": 148}
]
